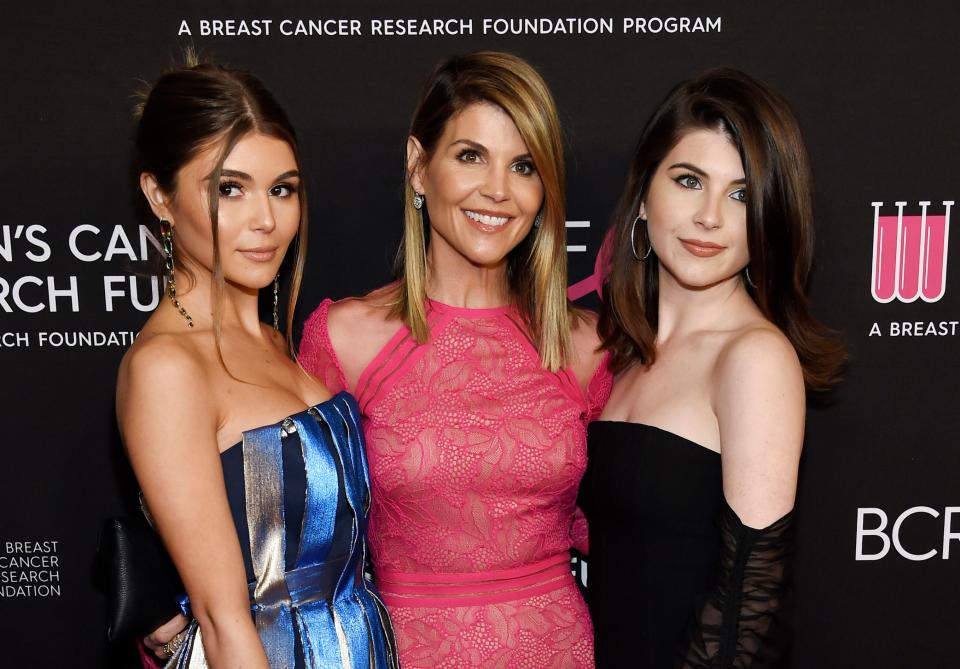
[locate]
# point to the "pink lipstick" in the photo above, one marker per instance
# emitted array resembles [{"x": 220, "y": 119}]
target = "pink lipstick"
[{"x": 702, "y": 249}]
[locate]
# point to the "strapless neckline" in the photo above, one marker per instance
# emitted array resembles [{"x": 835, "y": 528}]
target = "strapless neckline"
[
  {"x": 626, "y": 425},
  {"x": 280, "y": 422}
]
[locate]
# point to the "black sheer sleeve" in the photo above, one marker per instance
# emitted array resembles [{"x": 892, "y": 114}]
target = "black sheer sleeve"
[{"x": 741, "y": 623}]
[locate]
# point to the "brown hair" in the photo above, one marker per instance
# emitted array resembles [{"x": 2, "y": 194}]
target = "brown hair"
[
  {"x": 192, "y": 107},
  {"x": 536, "y": 268},
  {"x": 779, "y": 221}
]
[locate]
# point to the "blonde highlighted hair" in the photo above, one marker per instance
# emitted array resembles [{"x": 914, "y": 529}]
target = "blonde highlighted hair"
[{"x": 537, "y": 267}]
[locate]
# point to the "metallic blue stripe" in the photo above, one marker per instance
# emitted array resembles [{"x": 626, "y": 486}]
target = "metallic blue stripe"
[
  {"x": 351, "y": 418},
  {"x": 315, "y": 582},
  {"x": 322, "y": 491},
  {"x": 341, "y": 434},
  {"x": 373, "y": 622},
  {"x": 348, "y": 443},
  {"x": 318, "y": 633}
]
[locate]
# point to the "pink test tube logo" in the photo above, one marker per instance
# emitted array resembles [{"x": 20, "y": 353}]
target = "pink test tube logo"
[{"x": 910, "y": 254}]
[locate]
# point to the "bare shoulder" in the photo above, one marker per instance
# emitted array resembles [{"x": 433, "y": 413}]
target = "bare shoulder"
[
  {"x": 758, "y": 355},
  {"x": 160, "y": 357},
  {"x": 586, "y": 345},
  {"x": 158, "y": 364},
  {"x": 368, "y": 317},
  {"x": 758, "y": 398},
  {"x": 359, "y": 328}
]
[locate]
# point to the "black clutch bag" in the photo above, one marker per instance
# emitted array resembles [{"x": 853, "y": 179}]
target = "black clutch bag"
[{"x": 142, "y": 586}]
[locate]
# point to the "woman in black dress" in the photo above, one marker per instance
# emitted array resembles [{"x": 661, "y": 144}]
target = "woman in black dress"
[{"x": 693, "y": 466}]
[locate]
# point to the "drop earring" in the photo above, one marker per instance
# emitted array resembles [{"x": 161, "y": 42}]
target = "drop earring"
[
  {"x": 276, "y": 302},
  {"x": 538, "y": 221},
  {"x": 418, "y": 200},
  {"x": 166, "y": 234}
]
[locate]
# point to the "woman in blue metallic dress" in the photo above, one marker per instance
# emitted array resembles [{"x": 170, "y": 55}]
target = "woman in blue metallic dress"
[{"x": 255, "y": 476}]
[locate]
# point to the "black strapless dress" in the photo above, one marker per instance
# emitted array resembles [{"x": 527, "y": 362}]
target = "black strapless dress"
[{"x": 675, "y": 579}]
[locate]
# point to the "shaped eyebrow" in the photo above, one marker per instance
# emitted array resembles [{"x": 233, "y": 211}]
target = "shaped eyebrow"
[
  {"x": 237, "y": 174},
  {"x": 480, "y": 148},
  {"x": 700, "y": 172},
  {"x": 469, "y": 142}
]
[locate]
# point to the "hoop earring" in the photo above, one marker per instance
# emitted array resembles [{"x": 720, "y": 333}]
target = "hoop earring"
[
  {"x": 276, "y": 302},
  {"x": 746, "y": 271},
  {"x": 418, "y": 199},
  {"x": 633, "y": 243},
  {"x": 166, "y": 234},
  {"x": 538, "y": 221}
]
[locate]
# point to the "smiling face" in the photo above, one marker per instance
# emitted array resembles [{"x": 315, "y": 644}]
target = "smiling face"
[
  {"x": 481, "y": 188},
  {"x": 696, "y": 211},
  {"x": 258, "y": 215}
]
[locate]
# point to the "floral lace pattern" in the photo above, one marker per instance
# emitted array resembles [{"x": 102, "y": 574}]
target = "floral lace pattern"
[
  {"x": 551, "y": 630},
  {"x": 475, "y": 454}
]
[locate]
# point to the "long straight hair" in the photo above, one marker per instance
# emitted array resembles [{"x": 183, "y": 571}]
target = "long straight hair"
[
  {"x": 537, "y": 267},
  {"x": 192, "y": 107},
  {"x": 779, "y": 221}
]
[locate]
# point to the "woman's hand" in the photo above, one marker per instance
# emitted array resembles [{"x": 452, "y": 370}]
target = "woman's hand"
[{"x": 164, "y": 635}]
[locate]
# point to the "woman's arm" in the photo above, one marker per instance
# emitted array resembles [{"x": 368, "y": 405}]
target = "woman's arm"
[
  {"x": 759, "y": 400},
  {"x": 590, "y": 368},
  {"x": 758, "y": 397},
  {"x": 168, "y": 418}
]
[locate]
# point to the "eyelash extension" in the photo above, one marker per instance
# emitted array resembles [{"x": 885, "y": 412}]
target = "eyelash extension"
[
  {"x": 228, "y": 184},
  {"x": 464, "y": 152},
  {"x": 681, "y": 178},
  {"x": 530, "y": 168},
  {"x": 292, "y": 188}
]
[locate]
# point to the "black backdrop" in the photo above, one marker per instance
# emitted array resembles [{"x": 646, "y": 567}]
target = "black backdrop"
[{"x": 874, "y": 87}]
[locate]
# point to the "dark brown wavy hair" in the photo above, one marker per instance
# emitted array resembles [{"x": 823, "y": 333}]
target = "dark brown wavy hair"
[
  {"x": 188, "y": 109},
  {"x": 779, "y": 221}
]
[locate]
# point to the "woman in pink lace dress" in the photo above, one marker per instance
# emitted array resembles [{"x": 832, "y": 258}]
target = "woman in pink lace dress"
[{"x": 475, "y": 380}]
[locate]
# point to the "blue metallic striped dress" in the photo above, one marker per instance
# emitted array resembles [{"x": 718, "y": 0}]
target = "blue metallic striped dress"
[{"x": 299, "y": 491}]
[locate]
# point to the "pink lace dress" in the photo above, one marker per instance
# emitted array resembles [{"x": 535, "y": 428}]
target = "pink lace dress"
[{"x": 475, "y": 456}]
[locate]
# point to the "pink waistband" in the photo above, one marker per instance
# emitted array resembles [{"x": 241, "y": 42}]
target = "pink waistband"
[{"x": 474, "y": 588}]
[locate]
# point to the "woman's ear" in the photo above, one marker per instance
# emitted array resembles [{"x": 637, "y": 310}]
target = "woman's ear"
[
  {"x": 415, "y": 156},
  {"x": 643, "y": 210},
  {"x": 156, "y": 198}
]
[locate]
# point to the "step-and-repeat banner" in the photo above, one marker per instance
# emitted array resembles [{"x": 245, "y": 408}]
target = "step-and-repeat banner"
[{"x": 875, "y": 89}]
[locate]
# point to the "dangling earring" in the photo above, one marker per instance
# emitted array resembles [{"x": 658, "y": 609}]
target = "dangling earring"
[
  {"x": 418, "y": 200},
  {"x": 166, "y": 234},
  {"x": 276, "y": 302},
  {"x": 749, "y": 280},
  {"x": 633, "y": 244},
  {"x": 538, "y": 221}
]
